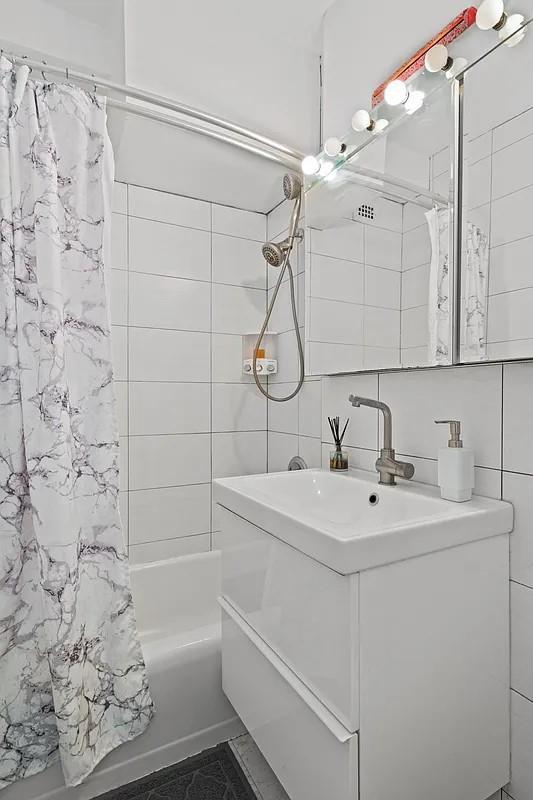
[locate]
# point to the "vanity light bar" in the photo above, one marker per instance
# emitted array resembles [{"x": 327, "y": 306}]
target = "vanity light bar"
[{"x": 491, "y": 14}]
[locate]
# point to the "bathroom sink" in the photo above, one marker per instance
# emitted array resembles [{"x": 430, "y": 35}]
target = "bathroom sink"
[{"x": 350, "y": 522}]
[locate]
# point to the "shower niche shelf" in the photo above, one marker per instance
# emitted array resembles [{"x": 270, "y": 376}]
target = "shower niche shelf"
[{"x": 267, "y": 362}]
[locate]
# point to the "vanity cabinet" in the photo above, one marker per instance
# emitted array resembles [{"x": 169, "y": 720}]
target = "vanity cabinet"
[{"x": 390, "y": 683}]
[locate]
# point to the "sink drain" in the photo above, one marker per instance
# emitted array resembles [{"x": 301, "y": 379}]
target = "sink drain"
[{"x": 373, "y": 499}]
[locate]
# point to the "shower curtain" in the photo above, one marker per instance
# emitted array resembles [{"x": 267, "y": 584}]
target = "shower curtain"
[
  {"x": 474, "y": 305},
  {"x": 72, "y": 678}
]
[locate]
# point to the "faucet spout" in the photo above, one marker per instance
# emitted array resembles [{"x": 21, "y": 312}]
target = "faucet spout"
[{"x": 387, "y": 464}]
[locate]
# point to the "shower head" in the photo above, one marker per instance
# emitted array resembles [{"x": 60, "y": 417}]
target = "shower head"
[
  {"x": 273, "y": 253},
  {"x": 292, "y": 187}
]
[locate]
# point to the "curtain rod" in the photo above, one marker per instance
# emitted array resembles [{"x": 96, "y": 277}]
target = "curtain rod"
[{"x": 169, "y": 104}]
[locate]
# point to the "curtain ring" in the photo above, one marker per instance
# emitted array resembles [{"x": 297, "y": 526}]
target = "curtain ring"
[
  {"x": 43, "y": 73},
  {"x": 66, "y": 73}
]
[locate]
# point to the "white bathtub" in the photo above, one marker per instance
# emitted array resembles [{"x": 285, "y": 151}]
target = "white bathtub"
[{"x": 179, "y": 623}]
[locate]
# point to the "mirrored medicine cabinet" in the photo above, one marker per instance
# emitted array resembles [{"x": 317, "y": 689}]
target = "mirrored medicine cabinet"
[{"x": 419, "y": 246}]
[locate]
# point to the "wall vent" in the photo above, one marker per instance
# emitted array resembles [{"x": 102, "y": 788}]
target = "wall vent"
[{"x": 366, "y": 211}]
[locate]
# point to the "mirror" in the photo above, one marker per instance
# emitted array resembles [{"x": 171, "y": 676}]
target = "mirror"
[
  {"x": 378, "y": 245},
  {"x": 497, "y": 220}
]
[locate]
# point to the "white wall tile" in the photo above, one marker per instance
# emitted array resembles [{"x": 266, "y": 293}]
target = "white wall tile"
[
  {"x": 511, "y": 217},
  {"x": 382, "y": 288},
  {"x": 119, "y": 352},
  {"x": 283, "y": 417},
  {"x": 521, "y": 786},
  {"x": 345, "y": 242},
  {"x": 381, "y": 327},
  {"x": 512, "y": 168},
  {"x": 237, "y": 309},
  {"x": 158, "y": 302},
  {"x": 158, "y": 461},
  {"x": 383, "y": 248},
  {"x": 332, "y": 321},
  {"x": 164, "y": 355},
  {"x": 234, "y": 222},
  {"x": 415, "y": 325},
  {"x": 281, "y": 448},
  {"x": 123, "y": 452},
  {"x": 310, "y": 409},
  {"x": 171, "y": 548},
  {"x": 510, "y": 266},
  {"x": 227, "y": 359},
  {"x": 509, "y": 316},
  {"x": 121, "y": 395},
  {"x": 118, "y": 296},
  {"x": 381, "y": 357},
  {"x": 328, "y": 358},
  {"x": 157, "y": 408},
  {"x": 311, "y": 451},
  {"x": 478, "y": 148},
  {"x": 239, "y": 454},
  {"x": 119, "y": 201},
  {"x": 518, "y": 490},
  {"x": 513, "y": 129},
  {"x": 119, "y": 242},
  {"x": 415, "y": 287},
  {"x": 362, "y": 430},
  {"x": 471, "y": 395},
  {"x": 157, "y": 514},
  {"x": 278, "y": 220},
  {"x": 335, "y": 279},
  {"x": 477, "y": 183},
  {"x": 238, "y": 262},
  {"x": 238, "y": 407},
  {"x": 163, "y": 249},
  {"x": 416, "y": 248},
  {"x": 172, "y": 208},
  {"x": 517, "y": 430},
  {"x": 522, "y": 639}
]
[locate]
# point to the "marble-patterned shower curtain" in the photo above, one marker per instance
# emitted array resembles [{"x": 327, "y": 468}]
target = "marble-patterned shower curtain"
[{"x": 72, "y": 678}]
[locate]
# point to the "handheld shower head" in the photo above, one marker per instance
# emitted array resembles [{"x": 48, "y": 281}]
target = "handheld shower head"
[
  {"x": 273, "y": 253},
  {"x": 292, "y": 186}
]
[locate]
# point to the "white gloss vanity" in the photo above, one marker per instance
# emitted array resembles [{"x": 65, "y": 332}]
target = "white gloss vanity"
[{"x": 365, "y": 634}]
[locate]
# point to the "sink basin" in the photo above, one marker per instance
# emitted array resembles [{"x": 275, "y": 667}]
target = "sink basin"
[{"x": 349, "y": 522}]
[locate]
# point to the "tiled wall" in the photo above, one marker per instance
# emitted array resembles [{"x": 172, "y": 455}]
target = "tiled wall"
[
  {"x": 499, "y": 192},
  {"x": 494, "y": 405},
  {"x": 187, "y": 279},
  {"x": 354, "y": 291}
]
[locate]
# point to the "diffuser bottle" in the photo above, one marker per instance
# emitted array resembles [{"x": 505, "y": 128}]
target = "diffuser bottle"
[{"x": 456, "y": 466}]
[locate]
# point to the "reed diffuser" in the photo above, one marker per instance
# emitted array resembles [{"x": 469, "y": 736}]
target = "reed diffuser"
[{"x": 338, "y": 458}]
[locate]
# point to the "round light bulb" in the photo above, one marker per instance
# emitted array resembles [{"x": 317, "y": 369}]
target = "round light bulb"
[
  {"x": 333, "y": 147},
  {"x": 458, "y": 65},
  {"x": 414, "y": 102},
  {"x": 380, "y": 125},
  {"x": 489, "y": 14},
  {"x": 437, "y": 58},
  {"x": 310, "y": 165},
  {"x": 325, "y": 168},
  {"x": 512, "y": 24},
  {"x": 396, "y": 93},
  {"x": 361, "y": 121}
]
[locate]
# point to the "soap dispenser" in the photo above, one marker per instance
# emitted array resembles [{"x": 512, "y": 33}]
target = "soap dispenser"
[{"x": 456, "y": 465}]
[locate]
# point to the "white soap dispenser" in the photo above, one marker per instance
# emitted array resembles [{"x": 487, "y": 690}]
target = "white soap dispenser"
[{"x": 456, "y": 465}]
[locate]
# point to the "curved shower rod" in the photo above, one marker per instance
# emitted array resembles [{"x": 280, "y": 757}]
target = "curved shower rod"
[{"x": 275, "y": 151}]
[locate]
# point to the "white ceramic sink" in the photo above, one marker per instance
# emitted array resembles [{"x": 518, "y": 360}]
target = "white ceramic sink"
[{"x": 335, "y": 519}]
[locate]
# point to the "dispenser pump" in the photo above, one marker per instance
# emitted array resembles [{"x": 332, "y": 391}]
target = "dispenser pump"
[
  {"x": 456, "y": 465},
  {"x": 455, "y": 431}
]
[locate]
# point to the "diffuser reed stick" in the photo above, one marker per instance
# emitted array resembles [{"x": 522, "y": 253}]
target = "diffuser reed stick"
[{"x": 338, "y": 458}]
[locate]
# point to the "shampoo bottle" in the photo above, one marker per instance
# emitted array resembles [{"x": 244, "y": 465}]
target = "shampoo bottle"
[{"x": 456, "y": 465}]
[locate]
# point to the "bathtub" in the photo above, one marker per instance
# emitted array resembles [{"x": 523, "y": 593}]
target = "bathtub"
[{"x": 179, "y": 623}]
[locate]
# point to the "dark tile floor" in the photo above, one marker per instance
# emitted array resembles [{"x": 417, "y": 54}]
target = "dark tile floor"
[{"x": 213, "y": 775}]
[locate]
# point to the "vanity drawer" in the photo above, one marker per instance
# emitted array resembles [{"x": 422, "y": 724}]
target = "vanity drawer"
[
  {"x": 312, "y": 754},
  {"x": 306, "y": 612}
]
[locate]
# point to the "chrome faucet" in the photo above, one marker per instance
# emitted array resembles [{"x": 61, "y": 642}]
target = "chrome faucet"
[{"x": 387, "y": 465}]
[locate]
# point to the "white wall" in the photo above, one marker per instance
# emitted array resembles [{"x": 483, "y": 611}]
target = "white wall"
[
  {"x": 256, "y": 64},
  {"x": 187, "y": 278},
  {"x": 84, "y": 33}
]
